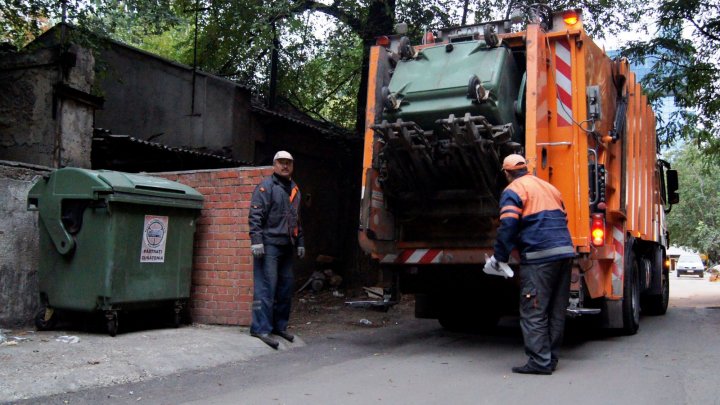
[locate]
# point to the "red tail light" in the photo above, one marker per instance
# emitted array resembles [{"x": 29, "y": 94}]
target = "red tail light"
[
  {"x": 429, "y": 38},
  {"x": 597, "y": 230},
  {"x": 382, "y": 41}
]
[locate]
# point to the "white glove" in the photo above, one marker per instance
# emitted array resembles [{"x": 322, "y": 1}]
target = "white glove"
[
  {"x": 301, "y": 252},
  {"x": 258, "y": 250},
  {"x": 496, "y": 268}
]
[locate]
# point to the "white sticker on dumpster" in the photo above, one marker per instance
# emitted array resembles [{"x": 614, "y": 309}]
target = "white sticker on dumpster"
[{"x": 153, "y": 239}]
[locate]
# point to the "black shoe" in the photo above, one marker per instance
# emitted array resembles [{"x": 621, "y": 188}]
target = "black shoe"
[
  {"x": 285, "y": 335},
  {"x": 553, "y": 365},
  {"x": 266, "y": 339},
  {"x": 527, "y": 369}
]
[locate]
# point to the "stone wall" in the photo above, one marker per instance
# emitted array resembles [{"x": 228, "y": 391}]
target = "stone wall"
[
  {"x": 222, "y": 264},
  {"x": 19, "y": 242},
  {"x": 38, "y": 123}
]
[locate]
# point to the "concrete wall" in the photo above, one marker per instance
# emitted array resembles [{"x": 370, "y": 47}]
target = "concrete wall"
[
  {"x": 36, "y": 125},
  {"x": 19, "y": 243},
  {"x": 147, "y": 96}
]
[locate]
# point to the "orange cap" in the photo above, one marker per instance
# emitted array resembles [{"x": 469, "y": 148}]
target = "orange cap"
[{"x": 514, "y": 162}]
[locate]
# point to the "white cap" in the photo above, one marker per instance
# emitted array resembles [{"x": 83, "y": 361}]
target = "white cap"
[{"x": 282, "y": 155}]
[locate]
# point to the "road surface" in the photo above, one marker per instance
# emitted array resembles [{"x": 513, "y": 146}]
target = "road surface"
[{"x": 673, "y": 359}]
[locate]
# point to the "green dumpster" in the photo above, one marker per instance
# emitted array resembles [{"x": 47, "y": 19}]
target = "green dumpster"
[{"x": 112, "y": 241}]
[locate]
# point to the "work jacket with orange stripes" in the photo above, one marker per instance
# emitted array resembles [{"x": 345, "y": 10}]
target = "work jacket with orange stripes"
[
  {"x": 274, "y": 216},
  {"x": 533, "y": 220}
]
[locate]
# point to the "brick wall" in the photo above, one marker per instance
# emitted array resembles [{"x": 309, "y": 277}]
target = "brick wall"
[{"x": 222, "y": 264}]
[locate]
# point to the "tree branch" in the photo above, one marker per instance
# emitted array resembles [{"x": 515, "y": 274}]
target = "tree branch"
[
  {"x": 703, "y": 31},
  {"x": 332, "y": 10},
  {"x": 328, "y": 93}
]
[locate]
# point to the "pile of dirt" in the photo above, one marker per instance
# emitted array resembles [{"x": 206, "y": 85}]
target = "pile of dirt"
[{"x": 323, "y": 313}]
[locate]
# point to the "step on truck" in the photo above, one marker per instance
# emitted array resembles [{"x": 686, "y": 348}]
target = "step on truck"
[{"x": 441, "y": 116}]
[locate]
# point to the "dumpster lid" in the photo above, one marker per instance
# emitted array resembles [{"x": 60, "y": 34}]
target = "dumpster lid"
[{"x": 147, "y": 185}]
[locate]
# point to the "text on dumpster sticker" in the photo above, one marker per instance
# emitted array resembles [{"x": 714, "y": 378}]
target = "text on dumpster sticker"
[{"x": 153, "y": 239}]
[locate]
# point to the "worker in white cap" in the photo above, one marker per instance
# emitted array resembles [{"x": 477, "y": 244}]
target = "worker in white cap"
[
  {"x": 533, "y": 220},
  {"x": 276, "y": 236}
]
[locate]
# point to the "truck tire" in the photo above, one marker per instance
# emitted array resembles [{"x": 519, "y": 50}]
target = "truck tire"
[
  {"x": 658, "y": 304},
  {"x": 631, "y": 294},
  {"x": 452, "y": 323}
]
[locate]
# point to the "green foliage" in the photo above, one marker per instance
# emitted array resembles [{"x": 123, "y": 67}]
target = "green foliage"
[
  {"x": 601, "y": 18},
  {"x": 684, "y": 56},
  {"x": 325, "y": 82},
  {"x": 322, "y": 45},
  {"x": 23, "y": 20},
  {"x": 695, "y": 223}
]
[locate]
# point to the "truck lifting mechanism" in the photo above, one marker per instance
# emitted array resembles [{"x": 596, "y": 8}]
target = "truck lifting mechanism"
[{"x": 441, "y": 116}]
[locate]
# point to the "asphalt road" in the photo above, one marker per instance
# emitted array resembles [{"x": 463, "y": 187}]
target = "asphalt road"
[{"x": 672, "y": 360}]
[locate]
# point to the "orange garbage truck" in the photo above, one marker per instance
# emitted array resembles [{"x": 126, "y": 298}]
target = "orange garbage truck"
[{"x": 441, "y": 116}]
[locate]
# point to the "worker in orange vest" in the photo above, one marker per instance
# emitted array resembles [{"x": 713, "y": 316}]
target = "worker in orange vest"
[
  {"x": 533, "y": 220},
  {"x": 276, "y": 237}
]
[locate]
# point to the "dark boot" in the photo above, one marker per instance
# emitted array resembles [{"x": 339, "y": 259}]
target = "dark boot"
[
  {"x": 285, "y": 335},
  {"x": 528, "y": 369},
  {"x": 267, "y": 339}
]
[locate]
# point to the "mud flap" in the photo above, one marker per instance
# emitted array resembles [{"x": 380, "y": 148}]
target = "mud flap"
[{"x": 612, "y": 314}]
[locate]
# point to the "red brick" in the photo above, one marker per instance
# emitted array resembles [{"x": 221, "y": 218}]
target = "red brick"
[
  {"x": 203, "y": 297},
  {"x": 202, "y": 311},
  {"x": 229, "y": 174},
  {"x": 228, "y": 306},
  {"x": 224, "y": 236},
  {"x": 224, "y": 283},
  {"x": 203, "y": 266}
]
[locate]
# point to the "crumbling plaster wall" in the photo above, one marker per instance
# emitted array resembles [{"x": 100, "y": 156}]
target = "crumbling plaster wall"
[
  {"x": 36, "y": 126},
  {"x": 19, "y": 240}
]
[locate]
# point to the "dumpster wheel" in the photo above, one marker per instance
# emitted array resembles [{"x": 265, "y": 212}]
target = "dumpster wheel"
[
  {"x": 45, "y": 319},
  {"x": 112, "y": 322}
]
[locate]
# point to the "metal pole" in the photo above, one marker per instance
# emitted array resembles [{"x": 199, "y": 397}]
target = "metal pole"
[
  {"x": 192, "y": 101},
  {"x": 273, "y": 68}
]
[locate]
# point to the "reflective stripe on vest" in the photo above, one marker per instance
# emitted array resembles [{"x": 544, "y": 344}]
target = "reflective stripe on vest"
[
  {"x": 293, "y": 194},
  {"x": 541, "y": 254}
]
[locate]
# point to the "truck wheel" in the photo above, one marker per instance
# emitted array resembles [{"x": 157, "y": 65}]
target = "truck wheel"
[
  {"x": 658, "y": 304},
  {"x": 631, "y": 295},
  {"x": 452, "y": 323}
]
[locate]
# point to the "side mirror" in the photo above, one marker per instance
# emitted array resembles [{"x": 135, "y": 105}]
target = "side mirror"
[{"x": 672, "y": 186}]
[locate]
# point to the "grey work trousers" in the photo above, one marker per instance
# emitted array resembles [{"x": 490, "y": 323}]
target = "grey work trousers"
[{"x": 544, "y": 296}]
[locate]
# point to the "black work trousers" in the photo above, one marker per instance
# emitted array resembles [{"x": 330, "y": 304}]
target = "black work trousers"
[{"x": 544, "y": 296}]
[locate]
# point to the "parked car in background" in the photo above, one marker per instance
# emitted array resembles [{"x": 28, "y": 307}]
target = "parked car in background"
[{"x": 690, "y": 264}]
